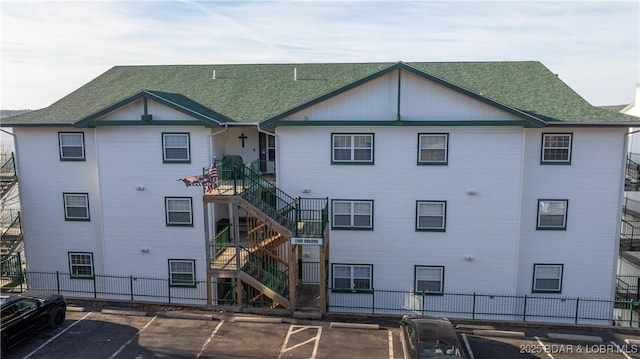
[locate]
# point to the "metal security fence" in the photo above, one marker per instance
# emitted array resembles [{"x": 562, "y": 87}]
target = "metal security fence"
[{"x": 524, "y": 308}]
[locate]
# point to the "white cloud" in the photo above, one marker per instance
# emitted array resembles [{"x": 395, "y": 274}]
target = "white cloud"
[{"x": 51, "y": 48}]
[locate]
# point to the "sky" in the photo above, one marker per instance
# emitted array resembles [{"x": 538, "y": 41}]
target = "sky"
[{"x": 48, "y": 49}]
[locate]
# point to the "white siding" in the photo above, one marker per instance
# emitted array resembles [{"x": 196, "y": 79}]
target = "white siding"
[
  {"x": 484, "y": 226},
  {"x": 593, "y": 186},
  {"x": 43, "y": 178}
]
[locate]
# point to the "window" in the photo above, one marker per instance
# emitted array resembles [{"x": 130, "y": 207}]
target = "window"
[
  {"x": 349, "y": 214},
  {"x": 431, "y": 216},
  {"x": 81, "y": 265},
  {"x": 429, "y": 279},
  {"x": 556, "y": 148},
  {"x": 433, "y": 148},
  {"x": 179, "y": 211},
  {"x": 182, "y": 272},
  {"x": 71, "y": 146},
  {"x": 547, "y": 278},
  {"x": 352, "y": 148},
  {"x": 76, "y": 206},
  {"x": 175, "y": 148},
  {"x": 352, "y": 277},
  {"x": 552, "y": 213}
]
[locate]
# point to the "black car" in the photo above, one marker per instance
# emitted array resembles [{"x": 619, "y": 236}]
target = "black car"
[
  {"x": 23, "y": 315},
  {"x": 430, "y": 337}
]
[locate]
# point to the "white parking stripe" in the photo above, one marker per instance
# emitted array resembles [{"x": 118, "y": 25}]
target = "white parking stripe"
[
  {"x": 466, "y": 343},
  {"x": 55, "y": 336},
  {"x": 620, "y": 350},
  {"x": 204, "y": 346},
  {"x": 132, "y": 338},
  {"x": 390, "y": 344},
  {"x": 285, "y": 349},
  {"x": 542, "y": 346}
]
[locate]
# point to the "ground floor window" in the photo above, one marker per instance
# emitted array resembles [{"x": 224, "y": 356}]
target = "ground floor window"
[
  {"x": 429, "y": 279},
  {"x": 81, "y": 265},
  {"x": 182, "y": 272},
  {"x": 352, "y": 277},
  {"x": 547, "y": 278}
]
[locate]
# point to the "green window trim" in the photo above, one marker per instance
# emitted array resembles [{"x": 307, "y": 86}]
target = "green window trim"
[
  {"x": 170, "y": 144},
  {"x": 438, "y": 271},
  {"x": 177, "y": 210},
  {"x": 358, "y": 275},
  {"x": 558, "y": 145},
  {"x": 80, "y": 262},
  {"x": 439, "y": 149},
  {"x": 354, "y": 205},
  {"x": 355, "y": 144},
  {"x": 422, "y": 204},
  {"x": 549, "y": 210},
  {"x": 69, "y": 143},
  {"x": 76, "y": 202},
  {"x": 177, "y": 268},
  {"x": 547, "y": 272}
]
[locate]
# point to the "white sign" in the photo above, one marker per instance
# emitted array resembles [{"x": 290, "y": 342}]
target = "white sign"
[{"x": 306, "y": 241}]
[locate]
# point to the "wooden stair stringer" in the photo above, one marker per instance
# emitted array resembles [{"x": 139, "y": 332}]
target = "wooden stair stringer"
[{"x": 248, "y": 279}]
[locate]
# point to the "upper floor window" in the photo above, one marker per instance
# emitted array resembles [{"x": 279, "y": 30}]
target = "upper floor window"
[
  {"x": 547, "y": 278},
  {"x": 81, "y": 265},
  {"x": 348, "y": 214},
  {"x": 182, "y": 272},
  {"x": 352, "y": 148},
  {"x": 179, "y": 211},
  {"x": 429, "y": 279},
  {"x": 71, "y": 146},
  {"x": 433, "y": 148},
  {"x": 431, "y": 215},
  {"x": 175, "y": 148},
  {"x": 352, "y": 277},
  {"x": 556, "y": 148},
  {"x": 76, "y": 206},
  {"x": 552, "y": 213}
]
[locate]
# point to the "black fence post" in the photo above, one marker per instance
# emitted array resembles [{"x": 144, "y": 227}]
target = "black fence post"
[
  {"x": 131, "y": 286},
  {"x": 58, "y": 281}
]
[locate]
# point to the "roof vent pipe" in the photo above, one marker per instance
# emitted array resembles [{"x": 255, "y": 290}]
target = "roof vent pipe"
[
  {"x": 295, "y": 74},
  {"x": 213, "y": 76}
]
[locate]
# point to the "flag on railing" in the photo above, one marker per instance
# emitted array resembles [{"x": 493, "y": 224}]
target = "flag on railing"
[
  {"x": 213, "y": 175},
  {"x": 196, "y": 180}
]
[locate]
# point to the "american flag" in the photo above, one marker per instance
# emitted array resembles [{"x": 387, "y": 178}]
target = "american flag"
[{"x": 213, "y": 174}]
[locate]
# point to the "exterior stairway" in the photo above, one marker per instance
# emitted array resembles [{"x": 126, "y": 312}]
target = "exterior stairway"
[
  {"x": 264, "y": 258},
  {"x": 8, "y": 175}
]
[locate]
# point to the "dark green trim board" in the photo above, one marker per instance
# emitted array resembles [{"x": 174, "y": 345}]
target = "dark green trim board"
[
  {"x": 399, "y": 94},
  {"x": 372, "y": 123}
]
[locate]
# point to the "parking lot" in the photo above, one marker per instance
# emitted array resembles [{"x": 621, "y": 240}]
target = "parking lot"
[{"x": 121, "y": 334}]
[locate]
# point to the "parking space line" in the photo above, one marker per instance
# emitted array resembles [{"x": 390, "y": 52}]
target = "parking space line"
[
  {"x": 542, "y": 346},
  {"x": 132, "y": 338},
  {"x": 55, "y": 336},
  {"x": 390, "y": 344},
  {"x": 204, "y": 346},
  {"x": 285, "y": 349},
  {"x": 621, "y": 350},
  {"x": 466, "y": 343}
]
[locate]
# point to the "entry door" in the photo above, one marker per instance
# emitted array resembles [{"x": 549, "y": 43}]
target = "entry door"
[{"x": 267, "y": 144}]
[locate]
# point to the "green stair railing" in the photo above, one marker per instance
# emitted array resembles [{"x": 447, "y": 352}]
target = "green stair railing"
[
  {"x": 220, "y": 242},
  {"x": 267, "y": 273},
  {"x": 10, "y": 267}
]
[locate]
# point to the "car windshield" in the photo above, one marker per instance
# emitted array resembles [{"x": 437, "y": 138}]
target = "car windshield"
[{"x": 440, "y": 350}]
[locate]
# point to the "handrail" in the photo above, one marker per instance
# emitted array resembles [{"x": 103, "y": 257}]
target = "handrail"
[
  {"x": 220, "y": 242},
  {"x": 11, "y": 266},
  {"x": 14, "y": 223},
  {"x": 8, "y": 167},
  {"x": 267, "y": 273}
]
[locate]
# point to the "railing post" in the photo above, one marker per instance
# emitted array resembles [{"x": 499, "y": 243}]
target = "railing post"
[
  {"x": 131, "y": 286},
  {"x": 577, "y": 309},
  {"x": 58, "y": 281},
  {"x": 423, "y": 302},
  {"x": 630, "y": 313},
  {"x": 638, "y": 288},
  {"x": 169, "y": 289},
  {"x": 524, "y": 312},
  {"x": 373, "y": 302},
  {"x": 473, "y": 307},
  {"x": 95, "y": 291}
]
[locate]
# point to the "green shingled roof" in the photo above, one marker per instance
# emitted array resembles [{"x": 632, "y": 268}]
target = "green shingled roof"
[{"x": 255, "y": 93}]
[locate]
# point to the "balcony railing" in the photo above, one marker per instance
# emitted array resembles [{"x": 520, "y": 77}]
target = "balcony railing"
[{"x": 630, "y": 236}]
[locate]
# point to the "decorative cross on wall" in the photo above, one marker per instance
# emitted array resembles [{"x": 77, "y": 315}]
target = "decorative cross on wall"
[{"x": 242, "y": 137}]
